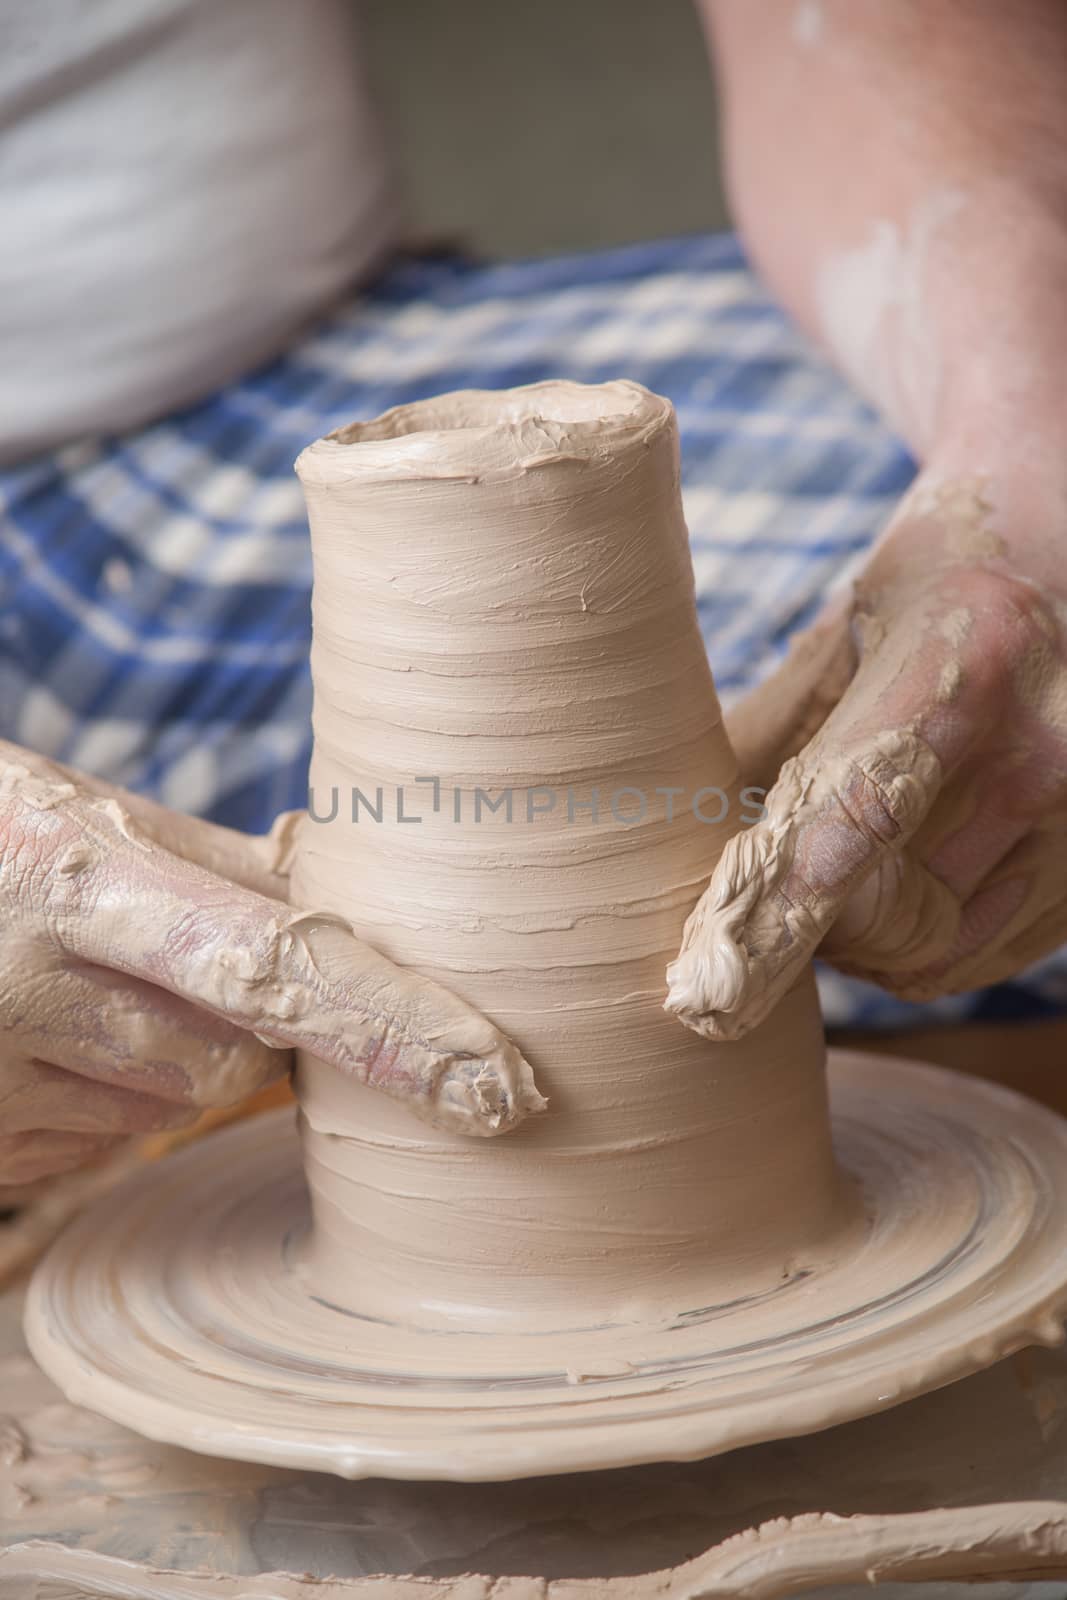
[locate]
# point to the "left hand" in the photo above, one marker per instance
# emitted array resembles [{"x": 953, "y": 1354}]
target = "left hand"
[
  {"x": 916, "y": 835},
  {"x": 150, "y": 966}
]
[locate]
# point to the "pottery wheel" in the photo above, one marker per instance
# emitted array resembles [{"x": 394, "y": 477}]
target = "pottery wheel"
[{"x": 173, "y": 1305}]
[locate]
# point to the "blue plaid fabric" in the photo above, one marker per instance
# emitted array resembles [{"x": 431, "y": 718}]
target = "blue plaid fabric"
[{"x": 154, "y": 625}]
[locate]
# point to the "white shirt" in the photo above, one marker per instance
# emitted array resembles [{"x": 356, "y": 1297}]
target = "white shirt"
[{"x": 183, "y": 184}]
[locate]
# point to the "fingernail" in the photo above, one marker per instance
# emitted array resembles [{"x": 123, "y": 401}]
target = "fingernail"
[{"x": 483, "y": 1098}]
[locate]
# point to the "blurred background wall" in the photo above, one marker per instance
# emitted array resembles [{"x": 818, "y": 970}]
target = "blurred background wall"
[{"x": 565, "y": 125}]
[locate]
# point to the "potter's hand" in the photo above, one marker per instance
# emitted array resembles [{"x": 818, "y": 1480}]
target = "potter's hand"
[
  {"x": 917, "y": 832},
  {"x": 149, "y": 967},
  {"x": 914, "y": 230}
]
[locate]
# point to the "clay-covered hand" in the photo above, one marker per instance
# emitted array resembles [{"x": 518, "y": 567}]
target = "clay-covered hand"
[
  {"x": 915, "y": 748},
  {"x": 149, "y": 967}
]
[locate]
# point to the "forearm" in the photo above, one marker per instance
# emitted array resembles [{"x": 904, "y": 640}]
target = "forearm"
[{"x": 899, "y": 172}]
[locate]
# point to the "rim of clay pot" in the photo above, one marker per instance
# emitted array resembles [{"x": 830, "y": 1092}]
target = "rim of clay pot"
[{"x": 477, "y": 433}]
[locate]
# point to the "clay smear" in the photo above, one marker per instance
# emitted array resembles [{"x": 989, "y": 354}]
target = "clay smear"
[{"x": 780, "y": 1558}]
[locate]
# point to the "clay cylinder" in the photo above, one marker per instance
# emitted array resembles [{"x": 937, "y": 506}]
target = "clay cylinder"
[{"x": 506, "y": 649}]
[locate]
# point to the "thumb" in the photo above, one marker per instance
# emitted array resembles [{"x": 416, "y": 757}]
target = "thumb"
[
  {"x": 836, "y": 810},
  {"x": 776, "y": 719}
]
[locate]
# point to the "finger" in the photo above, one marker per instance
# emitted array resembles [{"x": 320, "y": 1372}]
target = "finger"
[
  {"x": 408, "y": 1036},
  {"x": 901, "y": 917},
  {"x": 1017, "y": 916},
  {"x": 982, "y": 815},
  {"x": 38, "y": 1095},
  {"x": 780, "y": 716},
  {"x": 113, "y": 897},
  {"x": 923, "y": 910},
  {"x": 905, "y": 916},
  {"x": 115, "y": 1028},
  {"x": 258, "y": 863},
  {"x": 854, "y": 797},
  {"x": 779, "y": 885},
  {"x": 26, "y": 1157}
]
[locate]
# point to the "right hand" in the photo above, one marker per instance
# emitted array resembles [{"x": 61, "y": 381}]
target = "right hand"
[
  {"x": 150, "y": 967},
  {"x": 914, "y": 747}
]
